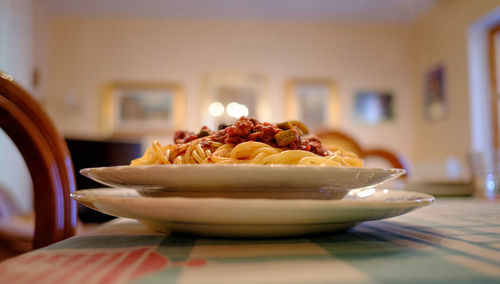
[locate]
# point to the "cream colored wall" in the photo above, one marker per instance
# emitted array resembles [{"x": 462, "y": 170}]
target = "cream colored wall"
[
  {"x": 87, "y": 53},
  {"x": 21, "y": 34},
  {"x": 440, "y": 37},
  {"x": 40, "y": 49},
  {"x": 16, "y": 40}
]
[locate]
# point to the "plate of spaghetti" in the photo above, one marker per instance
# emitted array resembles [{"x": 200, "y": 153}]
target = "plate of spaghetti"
[{"x": 247, "y": 159}]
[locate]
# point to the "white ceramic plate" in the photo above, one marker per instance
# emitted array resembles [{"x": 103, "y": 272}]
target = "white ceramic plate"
[
  {"x": 242, "y": 180},
  {"x": 250, "y": 218}
]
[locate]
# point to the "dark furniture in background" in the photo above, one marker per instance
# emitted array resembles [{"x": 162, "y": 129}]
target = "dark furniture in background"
[{"x": 88, "y": 154}]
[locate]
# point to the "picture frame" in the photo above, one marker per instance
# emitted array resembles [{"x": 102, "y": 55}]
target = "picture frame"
[
  {"x": 247, "y": 90},
  {"x": 315, "y": 102},
  {"x": 135, "y": 109},
  {"x": 435, "y": 100},
  {"x": 374, "y": 107}
]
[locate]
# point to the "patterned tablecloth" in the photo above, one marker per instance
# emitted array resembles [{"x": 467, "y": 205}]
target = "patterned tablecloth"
[{"x": 452, "y": 241}]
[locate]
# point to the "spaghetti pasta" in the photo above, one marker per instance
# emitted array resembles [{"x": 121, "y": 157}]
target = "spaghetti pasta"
[{"x": 209, "y": 150}]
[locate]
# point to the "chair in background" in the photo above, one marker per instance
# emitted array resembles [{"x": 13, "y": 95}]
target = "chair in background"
[
  {"x": 48, "y": 161},
  {"x": 338, "y": 138}
]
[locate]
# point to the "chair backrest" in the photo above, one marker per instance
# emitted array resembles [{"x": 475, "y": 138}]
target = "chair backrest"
[
  {"x": 47, "y": 158},
  {"x": 338, "y": 138}
]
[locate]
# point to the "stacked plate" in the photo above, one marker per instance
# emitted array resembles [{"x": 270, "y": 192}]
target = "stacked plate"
[{"x": 248, "y": 200}]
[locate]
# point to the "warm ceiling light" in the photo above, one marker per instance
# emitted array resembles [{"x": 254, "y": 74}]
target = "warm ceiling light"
[
  {"x": 216, "y": 109},
  {"x": 243, "y": 110},
  {"x": 236, "y": 110}
]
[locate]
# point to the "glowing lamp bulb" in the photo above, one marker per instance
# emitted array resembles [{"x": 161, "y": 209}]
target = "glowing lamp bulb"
[
  {"x": 243, "y": 110},
  {"x": 216, "y": 109},
  {"x": 236, "y": 110},
  {"x": 233, "y": 109}
]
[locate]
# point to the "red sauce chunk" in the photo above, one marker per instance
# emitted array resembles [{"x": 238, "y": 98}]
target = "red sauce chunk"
[
  {"x": 249, "y": 129},
  {"x": 183, "y": 136}
]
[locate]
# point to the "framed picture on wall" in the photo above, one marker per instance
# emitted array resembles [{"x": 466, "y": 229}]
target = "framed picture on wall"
[
  {"x": 435, "y": 101},
  {"x": 312, "y": 101},
  {"x": 228, "y": 96},
  {"x": 137, "y": 109},
  {"x": 372, "y": 107}
]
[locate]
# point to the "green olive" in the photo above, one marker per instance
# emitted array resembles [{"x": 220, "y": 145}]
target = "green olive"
[
  {"x": 286, "y": 137},
  {"x": 294, "y": 123},
  {"x": 203, "y": 133},
  {"x": 285, "y": 125},
  {"x": 300, "y": 126}
]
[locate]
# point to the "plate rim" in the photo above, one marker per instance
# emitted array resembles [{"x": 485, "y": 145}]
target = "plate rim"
[
  {"x": 399, "y": 171},
  {"x": 151, "y": 208},
  {"x": 426, "y": 200},
  {"x": 158, "y": 178}
]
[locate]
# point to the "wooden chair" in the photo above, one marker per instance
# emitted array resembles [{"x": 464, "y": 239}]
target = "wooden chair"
[
  {"x": 338, "y": 138},
  {"x": 48, "y": 161}
]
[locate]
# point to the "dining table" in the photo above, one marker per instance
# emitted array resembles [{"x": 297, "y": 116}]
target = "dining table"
[{"x": 455, "y": 240}]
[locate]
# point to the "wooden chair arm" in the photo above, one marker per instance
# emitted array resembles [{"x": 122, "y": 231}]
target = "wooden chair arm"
[{"x": 47, "y": 158}]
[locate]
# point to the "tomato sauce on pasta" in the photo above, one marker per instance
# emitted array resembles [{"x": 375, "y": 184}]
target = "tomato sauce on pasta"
[{"x": 248, "y": 141}]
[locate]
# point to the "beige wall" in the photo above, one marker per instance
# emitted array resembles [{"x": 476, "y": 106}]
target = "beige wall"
[
  {"x": 87, "y": 53},
  {"x": 16, "y": 40},
  {"x": 22, "y": 33},
  {"x": 80, "y": 55},
  {"x": 440, "y": 37}
]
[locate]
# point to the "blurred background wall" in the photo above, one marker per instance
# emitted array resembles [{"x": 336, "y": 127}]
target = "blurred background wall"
[
  {"x": 74, "y": 57},
  {"x": 441, "y": 36},
  {"x": 86, "y": 53}
]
